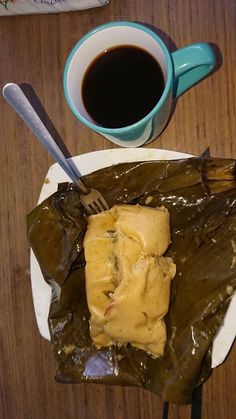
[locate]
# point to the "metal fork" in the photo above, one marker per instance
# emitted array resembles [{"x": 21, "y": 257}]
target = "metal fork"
[{"x": 91, "y": 199}]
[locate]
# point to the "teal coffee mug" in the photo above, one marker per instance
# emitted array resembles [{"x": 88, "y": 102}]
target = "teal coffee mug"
[{"x": 120, "y": 80}]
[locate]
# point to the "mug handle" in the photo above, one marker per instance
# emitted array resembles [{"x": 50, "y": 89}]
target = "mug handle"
[{"x": 191, "y": 64}]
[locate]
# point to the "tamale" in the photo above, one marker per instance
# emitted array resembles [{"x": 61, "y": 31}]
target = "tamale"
[{"x": 201, "y": 198}]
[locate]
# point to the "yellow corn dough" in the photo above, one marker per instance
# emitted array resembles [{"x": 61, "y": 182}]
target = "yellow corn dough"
[{"x": 127, "y": 277}]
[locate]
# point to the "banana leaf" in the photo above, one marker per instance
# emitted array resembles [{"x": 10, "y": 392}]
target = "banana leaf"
[{"x": 201, "y": 197}]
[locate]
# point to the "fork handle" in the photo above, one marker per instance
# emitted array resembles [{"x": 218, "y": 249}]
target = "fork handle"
[{"x": 17, "y": 99}]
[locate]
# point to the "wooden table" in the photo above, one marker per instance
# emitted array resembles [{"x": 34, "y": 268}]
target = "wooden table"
[{"x": 33, "y": 50}]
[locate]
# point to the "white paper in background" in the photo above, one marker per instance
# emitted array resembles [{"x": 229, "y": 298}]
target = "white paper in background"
[
  {"x": 90, "y": 162},
  {"x": 23, "y": 7}
]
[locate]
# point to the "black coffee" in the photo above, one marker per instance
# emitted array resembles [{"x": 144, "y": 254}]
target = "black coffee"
[{"x": 121, "y": 86}]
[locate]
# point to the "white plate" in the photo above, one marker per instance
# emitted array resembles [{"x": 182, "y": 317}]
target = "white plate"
[{"x": 88, "y": 163}]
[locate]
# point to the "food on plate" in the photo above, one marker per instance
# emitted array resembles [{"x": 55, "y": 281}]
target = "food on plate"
[
  {"x": 200, "y": 195},
  {"x": 127, "y": 277}
]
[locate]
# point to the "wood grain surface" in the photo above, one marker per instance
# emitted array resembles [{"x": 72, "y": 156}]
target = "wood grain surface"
[{"x": 33, "y": 51}]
